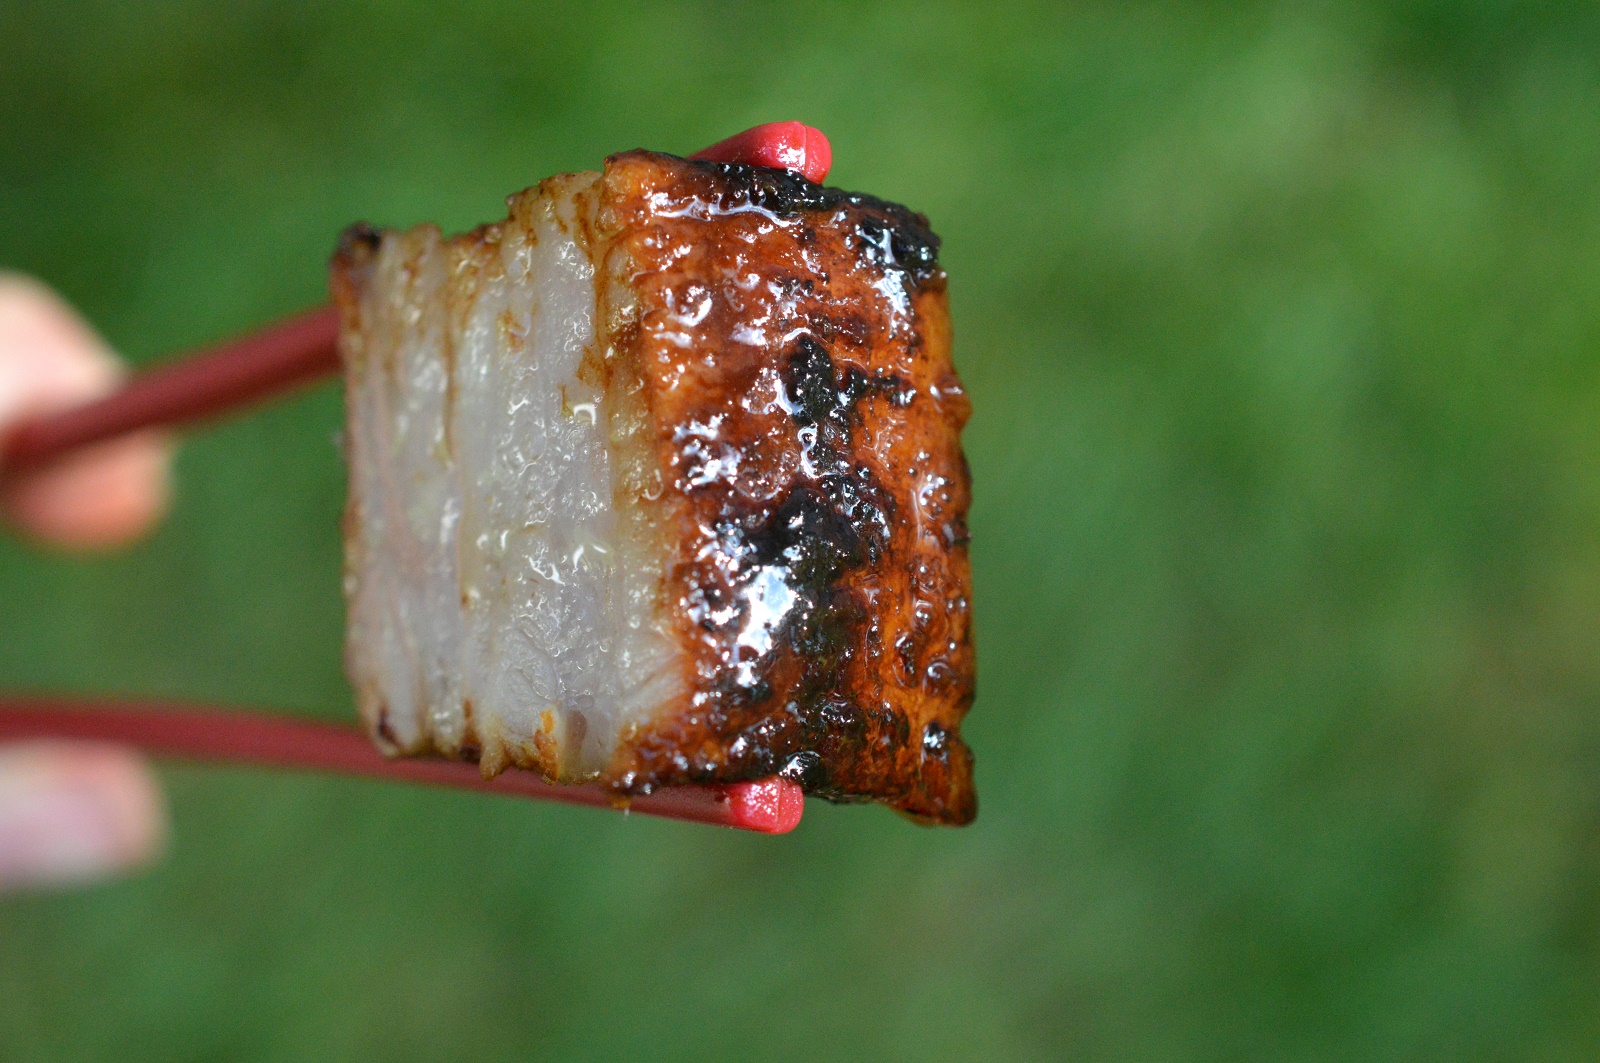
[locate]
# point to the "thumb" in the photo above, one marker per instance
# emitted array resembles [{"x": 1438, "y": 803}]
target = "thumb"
[
  {"x": 50, "y": 359},
  {"x": 71, "y": 813}
]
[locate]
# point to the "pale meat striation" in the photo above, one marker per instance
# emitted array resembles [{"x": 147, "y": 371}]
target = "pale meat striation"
[
  {"x": 659, "y": 482},
  {"x": 494, "y": 613}
]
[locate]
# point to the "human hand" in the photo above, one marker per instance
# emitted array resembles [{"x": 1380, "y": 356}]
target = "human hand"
[{"x": 72, "y": 812}]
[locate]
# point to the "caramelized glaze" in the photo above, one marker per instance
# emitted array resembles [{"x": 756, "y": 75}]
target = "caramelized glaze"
[{"x": 789, "y": 347}]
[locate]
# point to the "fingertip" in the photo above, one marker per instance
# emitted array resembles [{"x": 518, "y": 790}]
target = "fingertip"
[
  {"x": 49, "y": 356},
  {"x": 104, "y": 498},
  {"x": 72, "y": 813},
  {"x": 51, "y": 359}
]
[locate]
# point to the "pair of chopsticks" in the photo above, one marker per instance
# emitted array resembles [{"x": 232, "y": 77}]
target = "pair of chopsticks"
[{"x": 293, "y": 353}]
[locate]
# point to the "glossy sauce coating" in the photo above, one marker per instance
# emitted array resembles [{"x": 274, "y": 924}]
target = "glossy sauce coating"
[{"x": 788, "y": 347}]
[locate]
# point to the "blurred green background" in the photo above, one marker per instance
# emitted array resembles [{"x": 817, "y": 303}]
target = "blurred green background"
[{"x": 1281, "y": 324}]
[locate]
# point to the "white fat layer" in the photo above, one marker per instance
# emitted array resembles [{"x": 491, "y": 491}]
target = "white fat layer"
[{"x": 496, "y": 592}]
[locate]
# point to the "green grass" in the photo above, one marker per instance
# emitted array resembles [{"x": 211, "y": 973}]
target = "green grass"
[{"x": 1281, "y": 325}]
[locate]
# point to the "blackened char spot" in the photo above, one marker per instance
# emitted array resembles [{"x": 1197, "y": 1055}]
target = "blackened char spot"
[
  {"x": 889, "y": 245},
  {"x": 820, "y": 395},
  {"x": 470, "y": 751},
  {"x": 359, "y": 241},
  {"x": 816, "y": 534},
  {"x": 888, "y": 235},
  {"x": 384, "y": 728},
  {"x": 809, "y": 380},
  {"x": 781, "y": 192},
  {"x": 818, "y": 736},
  {"x": 812, "y": 542},
  {"x": 806, "y": 769}
]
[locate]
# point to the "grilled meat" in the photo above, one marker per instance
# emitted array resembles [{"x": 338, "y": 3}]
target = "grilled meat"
[{"x": 658, "y": 482}]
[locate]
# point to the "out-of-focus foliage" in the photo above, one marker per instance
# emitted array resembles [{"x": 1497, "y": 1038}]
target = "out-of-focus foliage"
[{"x": 1281, "y": 323}]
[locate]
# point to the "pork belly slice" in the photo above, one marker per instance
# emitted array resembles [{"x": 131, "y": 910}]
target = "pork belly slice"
[{"x": 658, "y": 482}]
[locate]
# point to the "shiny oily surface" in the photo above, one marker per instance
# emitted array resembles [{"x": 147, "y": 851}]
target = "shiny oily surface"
[{"x": 792, "y": 344}]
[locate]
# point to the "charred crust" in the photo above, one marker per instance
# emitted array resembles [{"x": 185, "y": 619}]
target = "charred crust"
[
  {"x": 470, "y": 749},
  {"x": 359, "y": 242},
  {"x": 350, "y": 269},
  {"x": 384, "y": 729},
  {"x": 884, "y": 234},
  {"x": 809, "y": 436}
]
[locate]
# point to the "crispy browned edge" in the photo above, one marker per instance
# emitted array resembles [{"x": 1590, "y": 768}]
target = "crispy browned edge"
[
  {"x": 850, "y": 480},
  {"x": 349, "y": 273}
]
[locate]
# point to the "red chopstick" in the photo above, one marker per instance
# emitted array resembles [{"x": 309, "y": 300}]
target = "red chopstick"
[
  {"x": 236, "y": 375},
  {"x": 224, "y": 379},
  {"x": 771, "y": 806},
  {"x": 779, "y": 145}
]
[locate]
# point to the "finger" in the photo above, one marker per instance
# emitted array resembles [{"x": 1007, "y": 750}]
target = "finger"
[
  {"x": 50, "y": 360},
  {"x": 780, "y": 145},
  {"x": 72, "y": 813}
]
